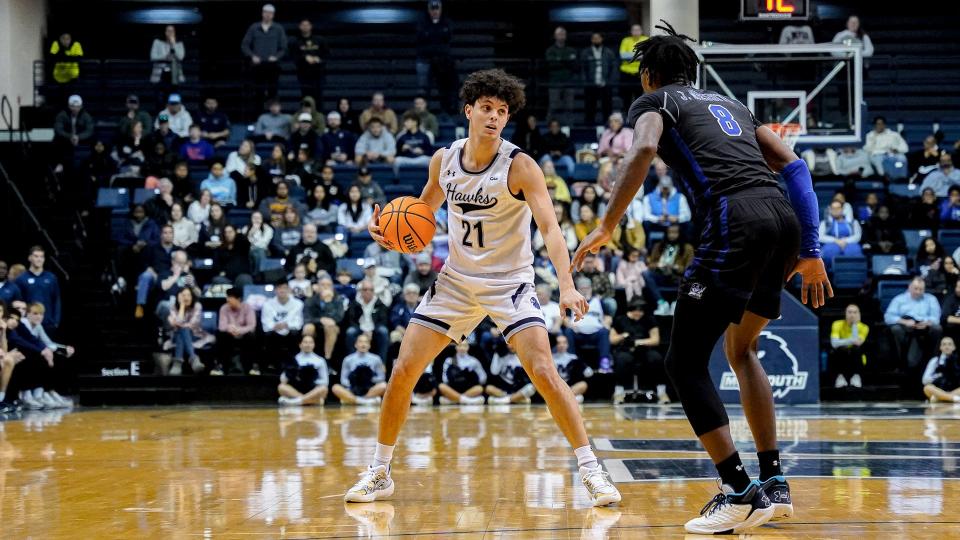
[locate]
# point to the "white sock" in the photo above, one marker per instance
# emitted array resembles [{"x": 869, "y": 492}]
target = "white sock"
[
  {"x": 528, "y": 390},
  {"x": 37, "y": 393},
  {"x": 585, "y": 457},
  {"x": 383, "y": 455}
]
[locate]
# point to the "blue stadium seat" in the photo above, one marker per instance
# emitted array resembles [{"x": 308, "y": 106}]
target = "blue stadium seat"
[
  {"x": 261, "y": 290},
  {"x": 142, "y": 195},
  {"x": 203, "y": 263},
  {"x": 885, "y": 265},
  {"x": 270, "y": 264},
  {"x": 412, "y": 175},
  {"x": 849, "y": 272},
  {"x": 113, "y": 198},
  {"x": 950, "y": 239},
  {"x": 393, "y": 191},
  {"x": 239, "y": 217},
  {"x": 208, "y": 321},
  {"x": 905, "y": 190},
  {"x": 913, "y": 238},
  {"x": 354, "y": 266},
  {"x": 585, "y": 172},
  {"x": 887, "y": 290},
  {"x": 865, "y": 187},
  {"x": 358, "y": 244}
]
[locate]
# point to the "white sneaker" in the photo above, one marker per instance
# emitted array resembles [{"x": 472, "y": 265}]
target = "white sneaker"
[
  {"x": 177, "y": 368},
  {"x": 619, "y": 394},
  {"x": 476, "y": 400},
  {"x": 375, "y": 483},
  {"x": 49, "y": 402},
  {"x": 445, "y": 401},
  {"x": 855, "y": 381},
  {"x": 733, "y": 513},
  {"x": 374, "y": 518},
  {"x": 601, "y": 489},
  {"x": 29, "y": 403},
  {"x": 289, "y": 401},
  {"x": 502, "y": 400},
  {"x": 64, "y": 402},
  {"x": 422, "y": 401},
  {"x": 579, "y": 398},
  {"x": 841, "y": 382},
  {"x": 368, "y": 400}
]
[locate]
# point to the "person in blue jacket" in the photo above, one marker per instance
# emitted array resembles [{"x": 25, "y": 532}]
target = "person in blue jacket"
[{"x": 39, "y": 285}]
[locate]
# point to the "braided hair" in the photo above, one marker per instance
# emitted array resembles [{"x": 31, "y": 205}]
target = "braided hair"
[{"x": 668, "y": 59}]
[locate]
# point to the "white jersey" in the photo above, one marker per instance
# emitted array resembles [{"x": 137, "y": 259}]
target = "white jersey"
[{"x": 489, "y": 227}]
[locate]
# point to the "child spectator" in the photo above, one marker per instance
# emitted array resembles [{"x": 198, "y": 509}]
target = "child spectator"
[
  {"x": 300, "y": 287},
  {"x": 463, "y": 378},
  {"x": 304, "y": 381},
  {"x": 362, "y": 376},
  {"x": 941, "y": 378},
  {"x": 508, "y": 383}
]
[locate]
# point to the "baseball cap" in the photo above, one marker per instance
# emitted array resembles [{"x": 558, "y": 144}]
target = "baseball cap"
[
  {"x": 270, "y": 8},
  {"x": 333, "y": 114},
  {"x": 424, "y": 258},
  {"x": 305, "y": 117},
  {"x": 163, "y": 118},
  {"x": 174, "y": 98},
  {"x": 369, "y": 263},
  {"x": 363, "y": 172},
  {"x": 75, "y": 101},
  {"x": 132, "y": 98},
  {"x": 433, "y": 4}
]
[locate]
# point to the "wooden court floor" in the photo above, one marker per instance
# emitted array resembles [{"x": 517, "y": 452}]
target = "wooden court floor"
[{"x": 887, "y": 471}]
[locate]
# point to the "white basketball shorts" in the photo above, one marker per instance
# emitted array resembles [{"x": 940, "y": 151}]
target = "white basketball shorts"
[{"x": 457, "y": 303}]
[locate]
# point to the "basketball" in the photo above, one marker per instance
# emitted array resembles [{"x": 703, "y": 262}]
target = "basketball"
[{"x": 407, "y": 224}]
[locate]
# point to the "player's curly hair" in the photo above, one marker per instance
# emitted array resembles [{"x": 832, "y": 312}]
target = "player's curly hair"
[
  {"x": 495, "y": 83},
  {"x": 668, "y": 59}
]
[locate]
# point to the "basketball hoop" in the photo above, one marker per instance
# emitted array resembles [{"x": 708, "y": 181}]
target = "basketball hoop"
[{"x": 789, "y": 132}]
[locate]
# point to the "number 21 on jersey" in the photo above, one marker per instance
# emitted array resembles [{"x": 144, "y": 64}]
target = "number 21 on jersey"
[
  {"x": 467, "y": 229},
  {"x": 726, "y": 120}
]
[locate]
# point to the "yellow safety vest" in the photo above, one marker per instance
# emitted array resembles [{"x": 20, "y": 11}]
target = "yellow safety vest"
[
  {"x": 64, "y": 72},
  {"x": 626, "y": 46}
]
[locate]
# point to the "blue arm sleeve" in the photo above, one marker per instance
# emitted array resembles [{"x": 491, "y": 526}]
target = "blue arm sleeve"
[{"x": 804, "y": 201}]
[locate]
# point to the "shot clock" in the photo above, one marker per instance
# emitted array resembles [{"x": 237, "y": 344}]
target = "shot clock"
[{"x": 785, "y": 10}]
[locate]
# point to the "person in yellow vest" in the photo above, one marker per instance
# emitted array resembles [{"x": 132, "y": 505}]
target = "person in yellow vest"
[
  {"x": 630, "y": 88},
  {"x": 846, "y": 339},
  {"x": 64, "y": 54}
]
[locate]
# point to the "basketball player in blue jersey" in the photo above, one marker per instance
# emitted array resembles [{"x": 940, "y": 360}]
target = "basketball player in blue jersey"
[
  {"x": 492, "y": 191},
  {"x": 751, "y": 241}
]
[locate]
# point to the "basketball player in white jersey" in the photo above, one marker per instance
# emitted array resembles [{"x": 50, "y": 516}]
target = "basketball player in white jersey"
[{"x": 492, "y": 190}]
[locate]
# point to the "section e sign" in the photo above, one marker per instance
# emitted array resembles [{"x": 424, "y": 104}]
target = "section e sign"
[{"x": 786, "y": 10}]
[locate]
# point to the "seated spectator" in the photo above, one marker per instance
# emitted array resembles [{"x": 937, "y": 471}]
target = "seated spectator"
[
  {"x": 942, "y": 178},
  {"x": 300, "y": 285},
  {"x": 366, "y": 314},
  {"x": 588, "y": 197},
  {"x": 71, "y": 128},
  {"x": 635, "y": 338},
  {"x": 183, "y": 185},
  {"x": 925, "y": 213},
  {"x": 99, "y": 168},
  {"x": 551, "y": 309},
  {"x": 665, "y": 207},
  {"x": 160, "y": 161},
  {"x": 305, "y": 380},
  {"x": 288, "y": 234},
  {"x": 129, "y": 152},
  {"x": 839, "y": 237},
  {"x": 425, "y": 389},
  {"x": 587, "y": 223},
  {"x": 304, "y": 169},
  {"x": 414, "y": 147},
  {"x": 378, "y": 109},
  {"x": 381, "y": 285},
  {"x": 887, "y": 150},
  {"x": 259, "y": 236},
  {"x": 556, "y": 187},
  {"x": 593, "y": 330},
  {"x": 337, "y": 143},
  {"x": 232, "y": 258},
  {"x": 308, "y": 105},
  {"x": 8, "y": 289},
  {"x": 354, "y": 215},
  {"x": 178, "y": 117},
  {"x": 822, "y": 162},
  {"x": 344, "y": 285},
  {"x": 428, "y": 122},
  {"x": 37, "y": 369},
  {"x": 508, "y": 383},
  {"x": 349, "y": 118},
  {"x": 325, "y": 310},
  {"x": 424, "y": 276},
  {"x": 556, "y": 146},
  {"x": 569, "y": 230},
  {"x": 214, "y": 124},
  {"x": 846, "y": 339},
  {"x": 400, "y": 312},
  {"x": 311, "y": 252},
  {"x": 941, "y": 378},
  {"x": 239, "y": 159},
  {"x": 370, "y": 192},
  {"x": 253, "y": 187},
  {"x": 847, "y": 207},
  {"x": 572, "y": 370},
  {"x": 616, "y": 139},
  {"x": 362, "y": 376},
  {"x": 276, "y": 165},
  {"x": 195, "y": 148},
  {"x": 236, "y": 334},
  {"x": 41, "y": 286},
  {"x": 281, "y": 319},
  {"x": 869, "y": 207},
  {"x": 914, "y": 318},
  {"x": 462, "y": 378},
  {"x": 854, "y": 163},
  {"x": 600, "y": 282},
  {"x": 133, "y": 115},
  {"x": 163, "y": 133},
  {"x": 527, "y": 136},
  {"x": 635, "y": 278},
  {"x": 392, "y": 265},
  {"x": 882, "y": 236},
  {"x": 136, "y": 233},
  {"x": 376, "y": 145},
  {"x": 156, "y": 259},
  {"x": 925, "y": 160},
  {"x": 320, "y": 211},
  {"x": 221, "y": 186},
  {"x": 670, "y": 256},
  {"x": 950, "y": 208},
  {"x": 273, "y": 125},
  {"x": 9, "y": 358},
  {"x": 184, "y": 320},
  {"x": 948, "y": 273},
  {"x": 211, "y": 233},
  {"x": 275, "y": 207},
  {"x": 199, "y": 210},
  {"x": 173, "y": 278},
  {"x": 303, "y": 137}
]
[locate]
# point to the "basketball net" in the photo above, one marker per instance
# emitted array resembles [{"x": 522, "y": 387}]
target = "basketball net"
[{"x": 790, "y": 132}]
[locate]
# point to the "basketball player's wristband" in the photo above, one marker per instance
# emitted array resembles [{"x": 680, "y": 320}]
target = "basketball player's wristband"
[{"x": 804, "y": 201}]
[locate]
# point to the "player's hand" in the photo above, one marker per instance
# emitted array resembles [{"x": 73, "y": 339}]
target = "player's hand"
[
  {"x": 591, "y": 244},
  {"x": 571, "y": 299},
  {"x": 373, "y": 227},
  {"x": 815, "y": 281}
]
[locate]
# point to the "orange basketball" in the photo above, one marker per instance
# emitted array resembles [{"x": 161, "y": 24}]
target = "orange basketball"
[{"x": 407, "y": 224}]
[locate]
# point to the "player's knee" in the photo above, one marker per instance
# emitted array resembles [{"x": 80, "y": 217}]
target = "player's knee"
[
  {"x": 403, "y": 372},
  {"x": 738, "y": 352}
]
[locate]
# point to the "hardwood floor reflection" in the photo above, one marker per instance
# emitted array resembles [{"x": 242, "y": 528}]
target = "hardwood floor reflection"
[{"x": 478, "y": 472}]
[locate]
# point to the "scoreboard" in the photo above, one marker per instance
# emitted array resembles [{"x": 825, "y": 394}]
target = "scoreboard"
[{"x": 785, "y": 10}]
